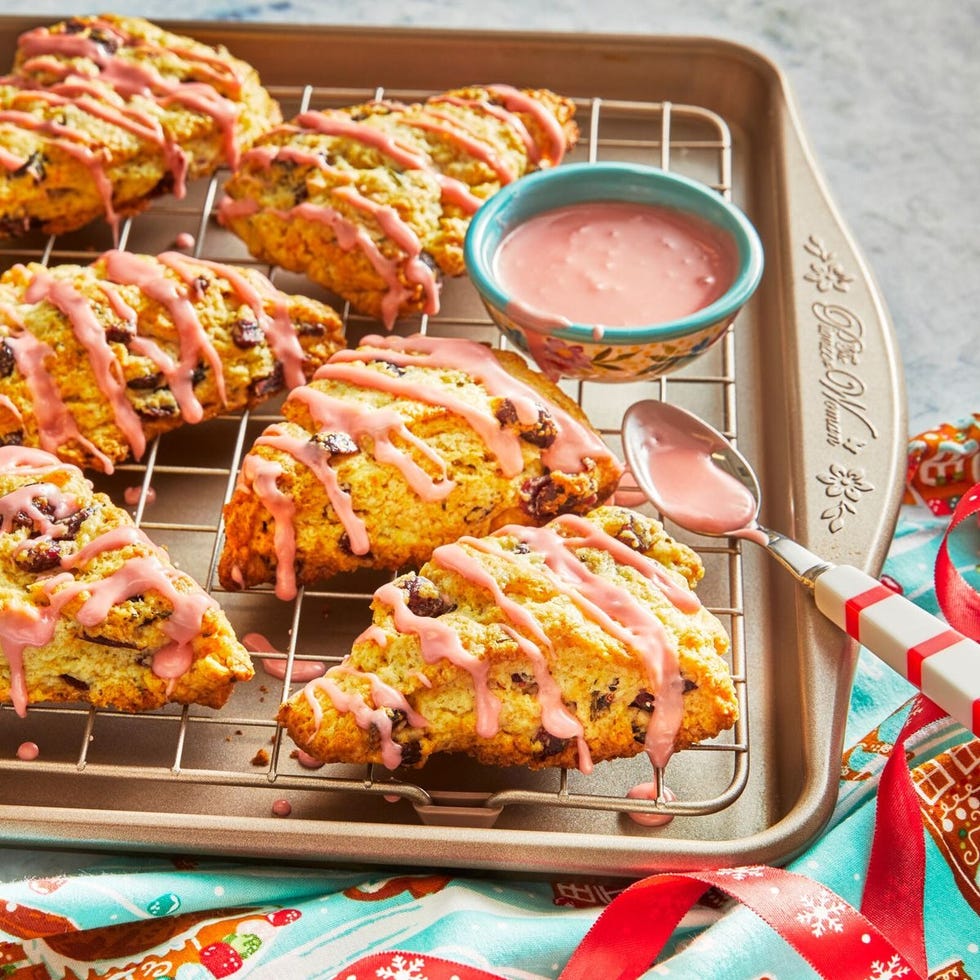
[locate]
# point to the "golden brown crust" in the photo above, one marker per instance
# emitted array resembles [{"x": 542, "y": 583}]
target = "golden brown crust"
[
  {"x": 91, "y": 357},
  {"x": 401, "y": 525},
  {"x": 307, "y": 197},
  {"x": 61, "y": 545},
  {"x": 603, "y": 682},
  {"x": 100, "y": 102}
]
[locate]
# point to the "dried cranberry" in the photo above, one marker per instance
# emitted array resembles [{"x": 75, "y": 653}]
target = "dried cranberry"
[
  {"x": 33, "y": 166},
  {"x": 539, "y": 496},
  {"x": 199, "y": 373},
  {"x": 246, "y": 334},
  {"x": 543, "y": 433},
  {"x": 411, "y": 753},
  {"x": 506, "y": 413},
  {"x": 550, "y": 745},
  {"x": 73, "y": 522},
  {"x": 636, "y": 534},
  {"x": 424, "y": 597},
  {"x": 390, "y": 367},
  {"x": 15, "y": 438},
  {"x": 41, "y": 557},
  {"x": 7, "y": 360},
  {"x": 263, "y": 387},
  {"x": 689, "y": 686},
  {"x": 74, "y": 682},
  {"x": 146, "y": 382},
  {"x": 308, "y": 328},
  {"x": 644, "y": 701},
  {"x": 334, "y": 443},
  {"x": 199, "y": 287},
  {"x": 151, "y": 413},
  {"x": 600, "y": 703},
  {"x": 105, "y": 641},
  {"x": 120, "y": 332}
]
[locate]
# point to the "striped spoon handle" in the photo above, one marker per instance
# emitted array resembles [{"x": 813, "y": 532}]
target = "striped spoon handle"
[{"x": 942, "y": 663}]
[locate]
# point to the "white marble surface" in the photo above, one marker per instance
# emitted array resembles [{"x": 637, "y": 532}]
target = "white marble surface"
[{"x": 888, "y": 95}]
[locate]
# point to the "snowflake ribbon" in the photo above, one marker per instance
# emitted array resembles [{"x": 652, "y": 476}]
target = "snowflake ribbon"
[
  {"x": 883, "y": 941},
  {"x": 959, "y": 602}
]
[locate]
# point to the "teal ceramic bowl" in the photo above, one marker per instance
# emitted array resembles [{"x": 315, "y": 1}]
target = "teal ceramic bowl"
[{"x": 564, "y": 349}]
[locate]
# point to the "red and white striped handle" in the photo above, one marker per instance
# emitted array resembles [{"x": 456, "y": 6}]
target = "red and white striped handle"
[{"x": 942, "y": 663}]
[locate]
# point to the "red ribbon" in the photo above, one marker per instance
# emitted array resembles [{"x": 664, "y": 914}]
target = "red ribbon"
[
  {"x": 884, "y": 938},
  {"x": 959, "y": 601}
]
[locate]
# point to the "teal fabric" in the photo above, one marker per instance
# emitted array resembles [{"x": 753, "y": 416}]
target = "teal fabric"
[{"x": 304, "y": 923}]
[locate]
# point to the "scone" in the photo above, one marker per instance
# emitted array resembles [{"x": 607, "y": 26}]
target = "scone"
[
  {"x": 91, "y": 610},
  {"x": 402, "y": 444},
  {"x": 373, "y": 201},
  {"x": 565, "y": 645},
  {"x": 102, "y": 113},
  {"x": 96, "y": 360}
]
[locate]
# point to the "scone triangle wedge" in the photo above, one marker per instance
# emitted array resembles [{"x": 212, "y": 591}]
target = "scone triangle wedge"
[
  {"x": 563, "y": 645},
  {"x": 91, "y": 610},
  {"x": 402, "y": 444}
]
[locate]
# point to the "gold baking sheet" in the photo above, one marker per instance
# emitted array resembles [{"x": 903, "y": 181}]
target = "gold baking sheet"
[{"x": 808, "y": 381}]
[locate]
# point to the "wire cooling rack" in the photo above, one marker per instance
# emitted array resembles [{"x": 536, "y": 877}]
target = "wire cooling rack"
[{"x": 176, "y": 494}]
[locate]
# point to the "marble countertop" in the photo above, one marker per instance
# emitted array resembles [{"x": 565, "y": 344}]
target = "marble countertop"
[{"x": 887, "y": 95}]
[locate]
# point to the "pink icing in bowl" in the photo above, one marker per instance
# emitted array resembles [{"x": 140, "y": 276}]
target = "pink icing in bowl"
[{"x": 612, "y": 271}]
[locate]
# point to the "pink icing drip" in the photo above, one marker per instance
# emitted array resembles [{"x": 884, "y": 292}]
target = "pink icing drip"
[
  {"x": 379, "y": 425},
  {"x": 130, "y": 269},
  {"x": 21, "y": 501},
  {"x": 318, "y": 462},
  {"x": 349, "y": 234},
  {"x": 65, "y": 139},
  {"x": 23, "y": 624},
  {"x": 277, "y": 328},
  {"x": 339, "y": 124},
  {"x": 498, "y": 112},
  {"x": 555, "y": 716},
  {"x": 648, "y": 791},
  {"x": 620, "y": 615},
  {"x": 55, "y": 424},
  {"x": 517, "y": 101},
  {"x": 262, "y": 475},
  {"x": 574, "y": 442},
  {"x": 28, "y": 751},
  {"x": 127, "y": 117},
  {"x": 129, "y": 78},
  {"x": 91, "y": 335},
  {"x": 450, "y": 126},
  {"x": 439, "y": 641},
  {"x": 367, "y": 718},
  {"x": 374, "y": 634}
]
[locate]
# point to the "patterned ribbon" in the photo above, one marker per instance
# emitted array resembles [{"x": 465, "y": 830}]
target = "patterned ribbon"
[
  {"x": 959, "y": 602},
  {"x": 885, "y": 938}
]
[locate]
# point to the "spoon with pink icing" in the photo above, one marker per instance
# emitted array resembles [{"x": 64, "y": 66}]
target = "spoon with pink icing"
[{"x": 693, "y": 475}]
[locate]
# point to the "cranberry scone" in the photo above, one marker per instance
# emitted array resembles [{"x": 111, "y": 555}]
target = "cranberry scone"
[
  {"x": 96, "y": 360},
  {"x": 100, "y": 114},
  {"x": 402, "y": 444},
  {"x": 372, "y": 201},
  {"x": 91, "y": 610},
  {"x": 564, "y": 645}
]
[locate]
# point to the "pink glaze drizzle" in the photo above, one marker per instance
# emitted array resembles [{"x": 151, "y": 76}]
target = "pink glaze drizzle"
[
  {"x": 91, "y": 335},
  {"x": 573, "y": 445},
  {"x": 277, "y": 328},
  {"x": 24, "y": 624},
  {"x": 136, "y": 270},
  {"x": 56, "y": 425},
  {"x": 367, "y": 718},
  {"x": 128, "y": 79},
  {"x": 303, "y": 670},
  {"x": 648, "y": 791},
  {"x": 438, "y": 641},
  {"x": 261, "y": 475},
  {"x": 340, "y": 124},
  {"x": 28, "y": 751},
  {"x": 613, "y": 608}
]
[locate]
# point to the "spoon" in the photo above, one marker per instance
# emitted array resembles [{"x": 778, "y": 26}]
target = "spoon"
[{"x": 693, "y": 475}]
